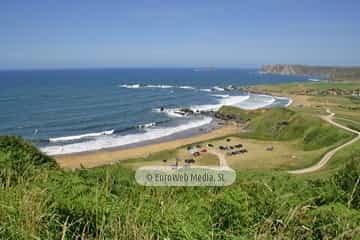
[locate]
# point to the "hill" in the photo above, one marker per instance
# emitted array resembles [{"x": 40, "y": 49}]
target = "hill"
[
  {"x": 334, "y": 73},
  {"x": 287, "y": 124},
  {"x": 105, "y": 203}
]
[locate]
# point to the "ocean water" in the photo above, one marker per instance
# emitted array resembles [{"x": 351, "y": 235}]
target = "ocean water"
[{"x": 67, "y": 111}]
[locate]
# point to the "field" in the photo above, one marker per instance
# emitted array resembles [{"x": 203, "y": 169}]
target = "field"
[
  {"x": 285, "y": 155},
  {"x": 349, "y": 122},
  {"x": 298, "y": 140},
  {"x": 205, "y": 159}
]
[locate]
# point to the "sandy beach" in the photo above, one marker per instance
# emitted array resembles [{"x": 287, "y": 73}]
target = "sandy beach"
[{"x": 110, "y": 156}]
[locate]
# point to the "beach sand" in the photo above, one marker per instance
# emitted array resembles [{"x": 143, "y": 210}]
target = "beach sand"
[{"x": 110, "y": 156}]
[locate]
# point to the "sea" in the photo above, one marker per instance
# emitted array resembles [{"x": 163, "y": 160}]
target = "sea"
[{"x": 79, "y": 110}]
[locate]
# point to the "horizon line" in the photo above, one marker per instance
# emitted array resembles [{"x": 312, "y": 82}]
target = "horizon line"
[
  {"x": 128, "y": 67},
  {"x": 241, "y": 66}
]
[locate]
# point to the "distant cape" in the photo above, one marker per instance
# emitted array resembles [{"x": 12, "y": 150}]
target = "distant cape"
[{"x": 326, "y": 72}]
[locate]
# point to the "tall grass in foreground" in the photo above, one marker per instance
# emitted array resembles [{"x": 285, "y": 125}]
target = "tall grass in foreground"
[{"x": 44, "y": 202}]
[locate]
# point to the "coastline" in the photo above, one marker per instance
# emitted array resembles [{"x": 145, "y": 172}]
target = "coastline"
[
  {"x": 112, "y": 155},
  {"x": 108, "y": 156},
  {"x": 154, "y": 135}
]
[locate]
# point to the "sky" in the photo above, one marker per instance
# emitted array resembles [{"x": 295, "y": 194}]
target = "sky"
[{"x": 120, "y": 33}]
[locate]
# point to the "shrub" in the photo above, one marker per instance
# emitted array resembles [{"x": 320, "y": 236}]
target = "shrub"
[{"x": 19, "y": 158}]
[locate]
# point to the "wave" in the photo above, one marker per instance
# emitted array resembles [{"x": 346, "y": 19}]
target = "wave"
[
  {"x": 256, "y": 101},
  {"x": 117, "y": 141},
  {"x": 131, "y": 85},
  {"x": 216, "y": 88},
  {"x": 154, "y": 86},
  {"x": 77, "y": 137},
  {"x": 248, "y": 102},
  {"x": 187, "y": 87},
  {"x": 146, "y": 125},
  {"x": 225, "y": 100},
  {"x": 221, "y": 96},
  {"x": 110, "y": 132},
  {"x": 137, "y": 85},
  {"x": 289, "y": 103},
  {"x": 171, "y": 112},
  {"x": 229, "y": 101},
  {"x": 205, "y": 90},
  {"x": 158, "y": 86},
  {"x": 314, "y": 79}
]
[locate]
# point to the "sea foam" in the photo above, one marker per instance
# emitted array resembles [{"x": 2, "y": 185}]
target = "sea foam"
[
  {"x": 171, "y": 112},
  {"x": 216, "y": 88},
  {"x": 155, "y": 86},
  {"x": 256, "y": 101},
  {"x": 226, "y": 100},
  {"x": 110, "y": 141},
  {"x": 77, "y": 137},
  {"x": 205, "y": 90},
  {"x": 158, "y": 86},
  {"x": 130, "y": 86}
]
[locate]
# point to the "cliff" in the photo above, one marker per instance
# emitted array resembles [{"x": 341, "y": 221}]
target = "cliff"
[
  {"x": 285, "y": 69},
  {"x": 325, "y": 72}
]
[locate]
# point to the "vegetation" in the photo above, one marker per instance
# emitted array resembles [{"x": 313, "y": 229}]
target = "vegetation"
[
  {"x": 20, "y": 159},
  {"x": 308, "y": 88},
  {"x": 106, "y": 203},
  {"x": 286, "y": 124},
  {"x": 349, "y": 123},
  {"x": 298, "y": 139},
  {"x": 205, "y": 159},
  {"x": 237, "y": 114}
]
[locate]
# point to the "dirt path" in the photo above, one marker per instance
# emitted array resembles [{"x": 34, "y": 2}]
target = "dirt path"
[
  {"x": 331, "y": 153},
  {"x": 222, "y": 159}
]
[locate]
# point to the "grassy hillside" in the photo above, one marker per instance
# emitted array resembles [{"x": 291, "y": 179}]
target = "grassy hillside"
[
  {"x": 106, "y": 203},
  {"x": 20, "y": 159},
  {"x": 286, "y": 124},
  {"x": 349, "y": 123},
  {"x": 238, "y": 114}
]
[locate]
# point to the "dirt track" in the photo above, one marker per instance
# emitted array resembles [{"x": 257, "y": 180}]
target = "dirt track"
[{"x": 332, "y": 152}]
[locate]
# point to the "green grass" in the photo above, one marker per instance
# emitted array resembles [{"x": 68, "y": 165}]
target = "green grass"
[
  {"x": 153, "y": 159},
  {"x": 106, "y": 203},
  {"x": 309, "y": 88},
  {"x": 285, "y": 124},
  {"x": 349, "y": 123},
  {"x": 299, "y": 143},
  {"x": 239, "y": 114},
  {"x": 300, "y": 140},
  {"x": 204, "y": 159},
  {"x": 347, "y": 114},
  {"x": 349, "y": 153}
]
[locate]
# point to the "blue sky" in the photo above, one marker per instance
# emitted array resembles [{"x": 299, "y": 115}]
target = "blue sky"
[{"x": 116, "y": 33}]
